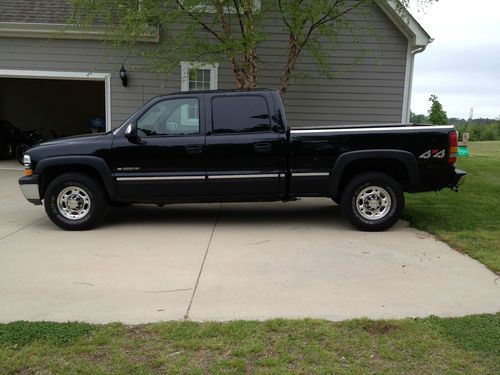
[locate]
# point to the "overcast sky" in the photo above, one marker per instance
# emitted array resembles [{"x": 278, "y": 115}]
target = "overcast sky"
[{"x": 462, "y": 65}]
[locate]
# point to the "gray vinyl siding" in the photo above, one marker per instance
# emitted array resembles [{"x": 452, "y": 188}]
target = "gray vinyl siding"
[{"x": 367, "y": 92}]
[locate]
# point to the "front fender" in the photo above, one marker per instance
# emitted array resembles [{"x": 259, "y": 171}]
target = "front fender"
[{"x": 97, "y": 164}]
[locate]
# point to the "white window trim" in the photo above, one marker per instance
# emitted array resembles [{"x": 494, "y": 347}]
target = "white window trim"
[
  {"x": 77, "y": 76},
  {"x": 187, "y": 65}
]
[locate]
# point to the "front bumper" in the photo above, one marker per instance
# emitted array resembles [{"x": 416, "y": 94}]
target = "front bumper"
[
  {"x": 29, "y": 187},
  {"x": 457, "y": 179}
]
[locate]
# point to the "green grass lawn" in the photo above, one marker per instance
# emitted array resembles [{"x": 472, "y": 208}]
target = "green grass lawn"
[
  {"x": 469, "y": 220},
  {"x": 469, "y": 345}
]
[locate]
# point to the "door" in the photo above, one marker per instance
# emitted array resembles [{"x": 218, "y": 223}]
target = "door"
[
  {"x": 167, "y": 159},
  {"x": 245, "y": 153}
]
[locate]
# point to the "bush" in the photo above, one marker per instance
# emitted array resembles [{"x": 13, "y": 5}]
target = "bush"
[{"x": 480, "y": 132}]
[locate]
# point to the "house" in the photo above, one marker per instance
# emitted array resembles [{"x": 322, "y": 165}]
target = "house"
[{"x": 58, "y": 80}]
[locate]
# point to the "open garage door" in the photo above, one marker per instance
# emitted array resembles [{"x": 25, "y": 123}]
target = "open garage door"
[{"x": 59, "y": 107}]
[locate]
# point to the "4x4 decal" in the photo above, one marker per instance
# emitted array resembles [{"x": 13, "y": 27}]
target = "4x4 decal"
[{"x": 439, "y": 154}]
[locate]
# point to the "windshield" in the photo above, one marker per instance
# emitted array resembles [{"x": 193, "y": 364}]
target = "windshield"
[{"x": 116, "y": 130}]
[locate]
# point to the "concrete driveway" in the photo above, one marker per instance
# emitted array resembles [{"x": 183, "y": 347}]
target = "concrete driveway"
[{"x": 224, "y": 262}]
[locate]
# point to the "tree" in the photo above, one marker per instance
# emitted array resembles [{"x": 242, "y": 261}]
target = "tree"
[
  {"x": 224, "y": 30},
  {"x": 418, "y": 119},
  {"x": 436, "y": 113}
]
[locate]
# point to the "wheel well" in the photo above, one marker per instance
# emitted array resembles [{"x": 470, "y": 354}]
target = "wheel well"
[
  {"x": 50, "y": 173},
  {"x": 392, "y": 167}
]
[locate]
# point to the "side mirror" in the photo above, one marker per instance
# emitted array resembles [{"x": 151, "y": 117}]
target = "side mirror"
[{"x": 131, "y": 133}]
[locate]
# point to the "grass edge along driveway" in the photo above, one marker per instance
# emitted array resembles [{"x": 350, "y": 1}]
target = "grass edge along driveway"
[
  {"x": 469, "y": 220},
  {"x": 468, "y": 345}
]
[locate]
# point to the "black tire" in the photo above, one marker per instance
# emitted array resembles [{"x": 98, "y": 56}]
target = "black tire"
[
  {"x": 6, "y": 151},
  {"x": 75, "y": 189},
  {"x": 387, "y": 198}
]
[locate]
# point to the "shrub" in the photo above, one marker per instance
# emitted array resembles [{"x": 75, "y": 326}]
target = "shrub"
[{"x": 480, "y": 132}]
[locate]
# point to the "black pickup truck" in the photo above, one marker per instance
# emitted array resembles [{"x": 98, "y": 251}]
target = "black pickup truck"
[{"x": 235, "y": 146}]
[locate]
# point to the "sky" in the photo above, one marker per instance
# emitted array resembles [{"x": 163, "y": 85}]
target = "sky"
[{"x": 462, "y": 65}]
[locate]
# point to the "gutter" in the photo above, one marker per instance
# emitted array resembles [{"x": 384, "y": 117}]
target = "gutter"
[{"x": 67, "y": 31}]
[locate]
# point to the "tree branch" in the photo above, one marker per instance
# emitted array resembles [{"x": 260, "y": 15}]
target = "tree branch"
[
  {"x": 238, "y": 12},
  {"x": 237, "y": 71},
  {"x": 200, "y": 22},
  {"x": 283, "y": 15},
  {"x": 341, "y": 13},
  {"x": 324, "y": 20}
]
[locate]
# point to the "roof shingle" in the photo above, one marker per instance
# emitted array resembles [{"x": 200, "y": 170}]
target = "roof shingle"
[{"x": 33, "y": 11}]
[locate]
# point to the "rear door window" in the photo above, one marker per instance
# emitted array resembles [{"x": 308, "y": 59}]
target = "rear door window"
[{"x": 240, "y": 114}]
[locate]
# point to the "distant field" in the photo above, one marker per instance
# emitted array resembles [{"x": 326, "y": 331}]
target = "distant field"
[{"x": 469, "y": 220}]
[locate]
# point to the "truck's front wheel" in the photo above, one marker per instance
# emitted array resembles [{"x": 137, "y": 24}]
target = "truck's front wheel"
[
  {"x": 75, "y": 201},
  {"x": 372, "y": 201}
]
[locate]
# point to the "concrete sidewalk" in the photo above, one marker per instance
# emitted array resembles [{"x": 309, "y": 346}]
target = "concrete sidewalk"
[{"x": 224, "y": 262}]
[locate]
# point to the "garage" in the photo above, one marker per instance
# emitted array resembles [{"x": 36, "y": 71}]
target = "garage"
[{"x": 48, "y": 105}]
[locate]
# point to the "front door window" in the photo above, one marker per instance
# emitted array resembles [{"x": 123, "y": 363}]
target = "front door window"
[{"x": 174, "y": 117}]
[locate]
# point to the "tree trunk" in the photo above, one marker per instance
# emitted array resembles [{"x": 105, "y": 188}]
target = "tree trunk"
[
  {"x": 251, "y": 69},
  {"x": 240, "y": 83},
  {"x": 290, "y": 63},
  {"x": 250, "y": 54}
]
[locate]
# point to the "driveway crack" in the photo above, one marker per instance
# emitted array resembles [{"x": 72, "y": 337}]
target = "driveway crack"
[
  {"x": 20, "y": 229},
  {"x": 186, "y": 316}
]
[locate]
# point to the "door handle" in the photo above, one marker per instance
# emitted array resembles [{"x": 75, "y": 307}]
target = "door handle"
[
  {"x": 194, "y": 149},
  {"x": 262, "y": 147}
]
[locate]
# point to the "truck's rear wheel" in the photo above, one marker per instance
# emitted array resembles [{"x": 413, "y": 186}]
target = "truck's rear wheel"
[
  {"x": 372, "y": 201},
  {"x": 75, "y": 201}
]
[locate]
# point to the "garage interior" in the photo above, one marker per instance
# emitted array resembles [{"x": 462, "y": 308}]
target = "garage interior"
[{"x": 55, "y": 107}]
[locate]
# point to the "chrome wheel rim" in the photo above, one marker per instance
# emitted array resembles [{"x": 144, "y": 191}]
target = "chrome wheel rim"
[
  {"x": 73, "y": 202},
  {"x": 373, "y": 203}
]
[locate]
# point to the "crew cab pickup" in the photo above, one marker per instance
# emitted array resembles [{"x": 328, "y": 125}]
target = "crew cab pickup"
[{"x": 236, "y": 146}]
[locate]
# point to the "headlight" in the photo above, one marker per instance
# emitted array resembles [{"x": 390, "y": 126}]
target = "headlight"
[
  {"x": 27, "y": 160},
  {"x": 27, "y": 165}
]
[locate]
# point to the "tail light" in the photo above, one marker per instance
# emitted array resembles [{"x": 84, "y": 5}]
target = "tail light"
[{"x": 453, "y": 147}]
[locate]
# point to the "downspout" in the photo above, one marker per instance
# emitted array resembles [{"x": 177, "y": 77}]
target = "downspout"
[{"x": 415, "y": 50}]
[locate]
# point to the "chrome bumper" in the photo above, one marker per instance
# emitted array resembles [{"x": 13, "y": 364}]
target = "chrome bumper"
[{"x": 29, "y": 187}]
